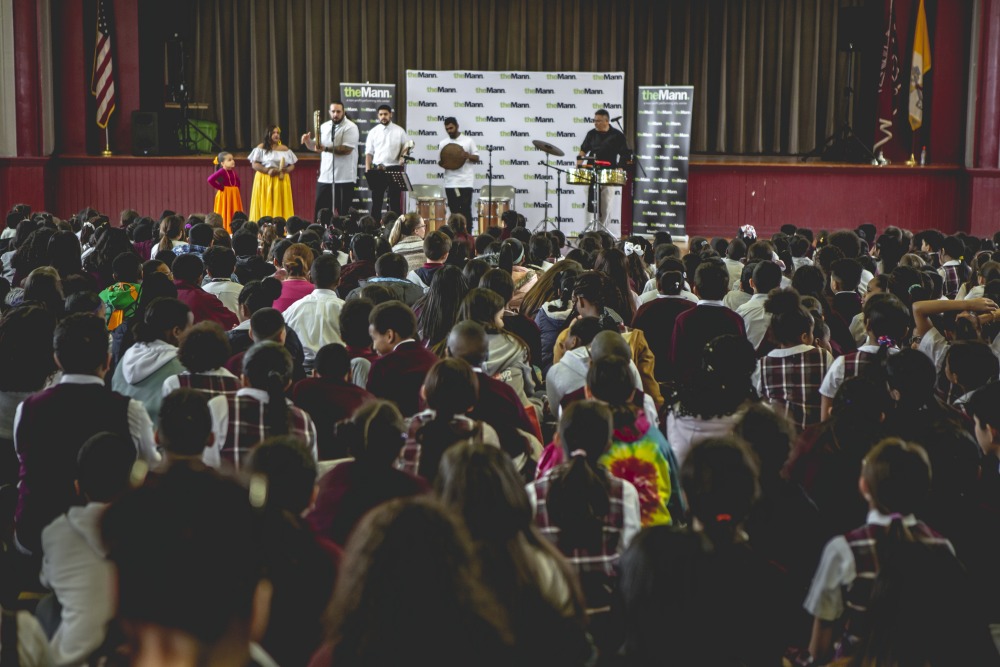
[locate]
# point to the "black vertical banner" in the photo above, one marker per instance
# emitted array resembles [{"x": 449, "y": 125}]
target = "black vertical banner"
[
  {"x": 361, "y": 103},
  {"x": 663, "y": 145}
]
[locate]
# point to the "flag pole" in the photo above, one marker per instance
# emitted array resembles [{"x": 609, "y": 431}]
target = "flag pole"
[{"x": 107, "y": 144}]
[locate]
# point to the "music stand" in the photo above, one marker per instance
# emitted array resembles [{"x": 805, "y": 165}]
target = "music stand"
[{"x": 400, "y": 179}]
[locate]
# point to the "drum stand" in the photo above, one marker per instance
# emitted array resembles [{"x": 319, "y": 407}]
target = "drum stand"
[
  {"x": 544, "y": 224},
  {"x": 597, "y": 224}
]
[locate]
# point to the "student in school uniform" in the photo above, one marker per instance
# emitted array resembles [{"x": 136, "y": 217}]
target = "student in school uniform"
[
  {"x": 398, "y": 374},
  {"x": 791, "y": 374}
]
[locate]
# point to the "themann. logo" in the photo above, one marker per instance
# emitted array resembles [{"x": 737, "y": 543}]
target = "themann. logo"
[
  {"x": 579, "y": 205},
  {"x": 561, "y": 77},
  {"x": 584, "y": 121},
  {"x": 515, "y": 76},
  {"x": 559, "y": 105},
  {"x": 431, "y": 147},
  {"x": 441, "y": 89},
  {"x": 470, "y": 133},
  {"x": 513, "y": 133},
  {"x": 609, "y": 77},
  {"x": 426, "y": 133},
  {"x": 436, "y": 119},
  {"x": 490, "y": 119},
  {"x": 421, "y": 75},
  {"x": 560, "y": 134},
  {"x": 426, "y": 161},
  {"x": 521, "y": 191},
  {"x": 367, "y": 92},
  {"x": 421, "y": 103},
  {"x": 537, "y": 177},
  {"x": 532, "y": 204},
  {"x": 538, "y": 119},
  {"x": 608, "y": 105},
  {"x": 468, "y": 105},
  {"x": 514, "y": 105},
  {"x": 540, "y": 91},
  {"x": 587, "y": 91},
  {"x": 467, "y": 75},
  {"x": 491, "y": 91},
  {"x": 664, "y": 94},
  {"x": 514, "y": 163}
]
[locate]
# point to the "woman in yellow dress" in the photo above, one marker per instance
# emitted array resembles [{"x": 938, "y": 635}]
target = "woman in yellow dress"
[{"x": 272, "y": 161}]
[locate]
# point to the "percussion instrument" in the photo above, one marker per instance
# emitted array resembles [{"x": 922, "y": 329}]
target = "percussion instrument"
[
  {"x": 489, "y": 210},
  {"x": 580, "y": 176},
  {"x": 612, "y": 177},
  {"x": 452, "y": 156},
  {"x": 432, "y": 210},
  {"x": 546, "y": 147}
]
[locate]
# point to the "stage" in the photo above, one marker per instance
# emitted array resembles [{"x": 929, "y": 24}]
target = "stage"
[{"x": 724, "y": 193}]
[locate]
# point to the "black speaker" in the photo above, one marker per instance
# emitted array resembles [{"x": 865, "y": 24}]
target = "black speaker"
[
  {"x": 145, "y": 133},
  {"x": 853, "y": 29}
]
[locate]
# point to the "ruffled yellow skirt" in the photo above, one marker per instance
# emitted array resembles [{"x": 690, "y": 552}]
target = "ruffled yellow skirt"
[
  {"x": 271, "y": 196},
  {"x": 227, "y": 202}
]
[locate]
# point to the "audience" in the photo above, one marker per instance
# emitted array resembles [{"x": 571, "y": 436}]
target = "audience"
[{"x": 856, "y": 385}]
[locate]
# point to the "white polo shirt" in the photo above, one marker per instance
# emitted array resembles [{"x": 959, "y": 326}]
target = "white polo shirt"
[
  {"x": 384, "y": 143},
  {"x": 338, "y": 168},
  {"x": 464, "y": 176}
]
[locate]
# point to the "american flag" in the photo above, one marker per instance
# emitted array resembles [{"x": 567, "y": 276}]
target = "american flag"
[{"x": 102, "y": 82}]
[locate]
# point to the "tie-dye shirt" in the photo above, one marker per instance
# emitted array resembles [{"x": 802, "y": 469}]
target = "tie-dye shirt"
[{"x": 641, "y": 455}]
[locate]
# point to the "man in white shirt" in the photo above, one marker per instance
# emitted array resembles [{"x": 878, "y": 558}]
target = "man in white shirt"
[
  {"x": 385, "y": 146},
  {"x": 458, "y": 183},
  {"x": 338, "y": 163},
  {"x": 316, "y": 316},
  {"x": 766, "y": 277}
]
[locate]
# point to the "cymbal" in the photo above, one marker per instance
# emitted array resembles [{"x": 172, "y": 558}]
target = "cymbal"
[{"x": 546, "y": 147}]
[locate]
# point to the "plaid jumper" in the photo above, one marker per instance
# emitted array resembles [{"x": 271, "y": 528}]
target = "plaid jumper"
[
  {"x": 409, "y": 455},
  {"x": 952, "y": 281},
  {"x": 248, "y": 426},
  {"x": 855, "y": 363},
  {"x": 597, "y": 570},
  {"x": 793, "y": 381},
  {"x": 210, "y": 385}
]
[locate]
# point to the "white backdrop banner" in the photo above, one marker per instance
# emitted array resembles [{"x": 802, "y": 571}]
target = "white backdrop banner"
[{"x": 507, "y": 110}]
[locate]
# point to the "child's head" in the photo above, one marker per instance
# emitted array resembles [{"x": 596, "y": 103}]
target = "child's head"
[
  {"x": 971, "y": 364},
  {"x": 184, "y": 427},
  {"x": 609, "y": 379},
  {"x": 219, "y": 262},
  {"x": 104, "y": 466},
  {"x": 391, "y": 323},
  {"x": 437, "y": 245},
  {"x": 451, "y": 387},
  {"x": 983, "y": 408},
  {"x": 287, "y": 471},
  {"x": 886, "y": 320},
  {"x": 127, "y": 268},
  {"x": 719, "y": 477},
  {"x": 711, "y": 280},
  {"x": 790, "y": 322},
  {"x": 845, "y": 275},
  {"x": 953, "y": 248},
  {"x": 204, "y": 347},
  {"x": 586, "y": 426},
  {"x": 896, "y": 477},
  {"x": 766, "y": 277},
  {"x": 226, "y": 160}
]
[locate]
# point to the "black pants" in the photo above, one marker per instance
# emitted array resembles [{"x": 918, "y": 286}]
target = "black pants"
[
  {"x": 338, "y": 198},
  {"x": 460, "y": 201},
  {"x": 382, "y": 187}
]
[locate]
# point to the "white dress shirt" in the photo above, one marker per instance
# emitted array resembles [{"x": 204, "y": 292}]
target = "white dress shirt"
[
  {"x": 316, "y": 319},
  {"x": 228, "y": 293},
  {"x": 755, "y": 318},
  {"x": 335, "y": 168},
  {"x": 384, "y": 143},
  {"x": 464, "y": 176},
  {"x": 140, "y": 426}
]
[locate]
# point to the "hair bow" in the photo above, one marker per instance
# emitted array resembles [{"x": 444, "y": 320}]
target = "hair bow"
[
  {"x": 749, "y": 231},
  {"x": 886, "y": 341},
  {"x": 578, "y": 452},
  {"x": 631, "y": 248}
]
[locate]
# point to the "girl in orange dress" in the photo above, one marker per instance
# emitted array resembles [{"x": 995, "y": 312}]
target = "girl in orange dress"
[{"x": 225, "y": 180}]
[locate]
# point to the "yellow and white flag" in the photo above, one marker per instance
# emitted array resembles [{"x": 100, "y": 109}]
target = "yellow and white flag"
[{"x": 921, "y": 64}]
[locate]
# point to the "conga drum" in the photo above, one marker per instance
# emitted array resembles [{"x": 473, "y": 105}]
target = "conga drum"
[
  {"x": 489, "y": 211},
  {"x": 433, "y": 211}
]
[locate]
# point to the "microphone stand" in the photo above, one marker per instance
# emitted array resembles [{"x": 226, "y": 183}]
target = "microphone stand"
[
  {"x": 489, "y": 179},
  {"x": 631, "y": 152}
]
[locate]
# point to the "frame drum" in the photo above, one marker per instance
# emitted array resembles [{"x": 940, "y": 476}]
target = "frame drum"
[
  {"x": 612, "y": 177},
  {"x": 489, "y": 210},
  {"x": 432, "y": 210}
]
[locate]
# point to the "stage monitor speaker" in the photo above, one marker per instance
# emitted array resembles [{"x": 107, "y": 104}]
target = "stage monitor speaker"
[
  {"x": 853, "y": 29},
  {"x": 145, "y": 133}
]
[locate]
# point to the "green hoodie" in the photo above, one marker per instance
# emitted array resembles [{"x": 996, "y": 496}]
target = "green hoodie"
[{"x": 121, "y": 300}]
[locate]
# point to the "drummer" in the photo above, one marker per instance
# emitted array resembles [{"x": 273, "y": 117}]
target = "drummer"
[
  {"x": 458, "y": 183},
  {"x": 603, "y": 144}
]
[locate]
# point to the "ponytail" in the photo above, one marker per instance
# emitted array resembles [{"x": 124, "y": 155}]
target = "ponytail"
[
  {"x": 268, "y": 366},
  {"x": 276, "y": 413},
  {"x": 170, "y": 226},
  {"x": 578, "y": 503}
]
